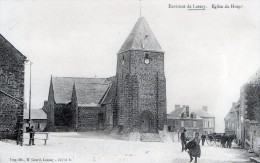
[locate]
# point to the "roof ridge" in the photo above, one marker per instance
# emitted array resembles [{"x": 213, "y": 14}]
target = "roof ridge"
[
  {"x": 97, "y": 83},
  {"x": 141, "y": 34},
  {"x": 134, "y": 30},
  {"x": 105, "y": 95},
  {"x": 77, "y": 77},
  {"x": 21, "y": 54}
]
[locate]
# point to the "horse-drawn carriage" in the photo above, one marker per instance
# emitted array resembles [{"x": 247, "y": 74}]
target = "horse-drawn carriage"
[{"x": 214, "y": 138}]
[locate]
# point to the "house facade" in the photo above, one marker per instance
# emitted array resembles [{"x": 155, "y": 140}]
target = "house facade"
[
  {"x": 38, "y": 119},
  {"x": 181, "y": 118},
  {"x": 246, "y": 130},
  {"x": 11, "y": 90},
  {"x": 241, "y": 108},
  {"x": 208, "y": 120},
  {"x": 231, "y": 120},
  {"x": 133, "y": 100},
  {"x": 192, "y": 120},
  {"x": 250, "y": 127},
  {"x": 242, "y": 126}
]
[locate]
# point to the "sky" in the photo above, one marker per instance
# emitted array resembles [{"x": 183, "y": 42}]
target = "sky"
[{"x": 209, "y": 53}]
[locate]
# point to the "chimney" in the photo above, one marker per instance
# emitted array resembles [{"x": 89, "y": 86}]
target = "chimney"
[
  {"x": 177, "y": 106},
  {"x": 187, "y": 110},
  {"x": 205, "y": 108}
]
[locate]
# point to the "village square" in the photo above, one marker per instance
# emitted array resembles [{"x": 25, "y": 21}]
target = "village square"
[{"x": 58, "y": 106}]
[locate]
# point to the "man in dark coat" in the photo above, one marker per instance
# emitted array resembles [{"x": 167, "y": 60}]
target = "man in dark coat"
[
  {"x": 203, "y": 138},
  {"x": 223, "y": 140},
  {"x": 32, "y": 131},
  {"x": 183, "y": 140},
  {"x": 230, "y": 140}
]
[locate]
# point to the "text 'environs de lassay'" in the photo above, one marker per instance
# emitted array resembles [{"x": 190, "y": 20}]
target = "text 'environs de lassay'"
[{"x": 204, "y": 7}]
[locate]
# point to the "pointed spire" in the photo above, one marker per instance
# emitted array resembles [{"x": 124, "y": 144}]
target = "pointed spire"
[{"x": 141, "y": 38}]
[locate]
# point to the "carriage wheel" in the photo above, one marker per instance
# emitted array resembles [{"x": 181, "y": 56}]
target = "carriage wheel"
[
  {"x": 210, "y": 141},
  {"x": 218, "y": 142}
]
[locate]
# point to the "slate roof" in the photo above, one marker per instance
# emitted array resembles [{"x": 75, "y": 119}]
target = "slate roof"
[
  {"x": 227, "y": 117},
  {"x": 63, "y": 86},
  {"x": 203, "y": 114},
  {"x": 232, "y": 109},
  {"x": 109, "y": 94},
  {"x": 7, "y": 48},
  {"x": 141, "y": 37},
  {"x": 176, "y": 113},
  {"x": 90, "y": 94},
  {"x": 35, "y": 114}
]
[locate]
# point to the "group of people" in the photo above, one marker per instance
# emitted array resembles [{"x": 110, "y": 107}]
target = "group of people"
[
  {"x": 226, "y": 141},
  {"x": 192, "y": 146}
]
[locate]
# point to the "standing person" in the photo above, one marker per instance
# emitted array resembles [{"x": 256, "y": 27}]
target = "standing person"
[
  {"x": 183, "y": 140},
  {"x": 229, "y": 141},
  {"x": 32, "y": 131},
  {"x": 223, "y": 140},
  {"x": 195, "y": 151},
  {"x": 203, "y": 138}
]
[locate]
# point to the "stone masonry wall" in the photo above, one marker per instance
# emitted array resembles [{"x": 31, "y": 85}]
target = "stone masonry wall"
[
  {"x": 141, "y": 87},
  {"x": 123, "y": 61},
  {"x": 11, "y": 82},
  {"x": 88, "y": 118},
  {"x": 161, "y": 100},
  {"x": 60, "y": 117},
  {"x": 108, "y": 115}
]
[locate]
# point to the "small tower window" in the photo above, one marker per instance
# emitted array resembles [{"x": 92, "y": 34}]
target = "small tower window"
[
  {"x": 123, "y": 60},
  {"x": 146, "y": 55},
  {"x": 146, "y": 58}
]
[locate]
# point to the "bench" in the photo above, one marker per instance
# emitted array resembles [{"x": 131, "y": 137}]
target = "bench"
[{"x": 45, "y": 139}]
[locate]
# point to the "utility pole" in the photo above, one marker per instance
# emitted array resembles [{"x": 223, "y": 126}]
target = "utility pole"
[{"x": 30, "y": 94}]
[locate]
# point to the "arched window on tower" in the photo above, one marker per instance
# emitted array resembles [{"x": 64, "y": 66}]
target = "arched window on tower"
[{"x": 123, "y": 60}]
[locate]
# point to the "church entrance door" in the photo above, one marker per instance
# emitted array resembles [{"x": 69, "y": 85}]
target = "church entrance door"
[
  {"x": 145, "y": 126},
  {"x": 146, "y": 121}
]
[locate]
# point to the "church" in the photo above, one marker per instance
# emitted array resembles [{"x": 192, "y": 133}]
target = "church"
[{"x": 134, "y": 100}]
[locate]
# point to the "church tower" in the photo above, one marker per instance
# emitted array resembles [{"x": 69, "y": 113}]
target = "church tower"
[{"x": 141, "y": 85}]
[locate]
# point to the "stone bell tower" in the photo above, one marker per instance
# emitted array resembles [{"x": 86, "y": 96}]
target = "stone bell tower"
[{"x": 141, "y": 84}]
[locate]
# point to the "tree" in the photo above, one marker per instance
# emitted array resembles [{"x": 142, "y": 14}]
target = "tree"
[{"x": 252, "y": 96}]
